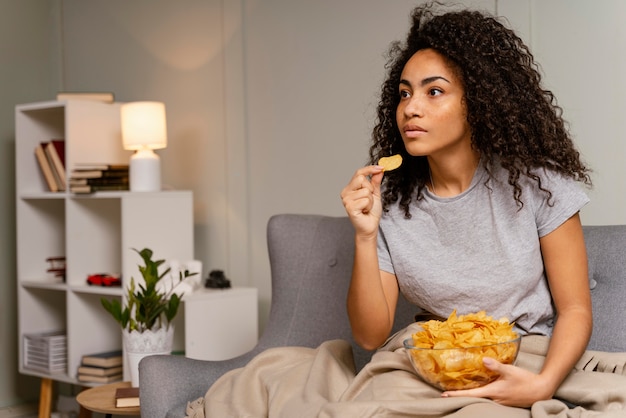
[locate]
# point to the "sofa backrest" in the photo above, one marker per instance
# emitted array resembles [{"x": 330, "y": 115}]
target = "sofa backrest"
[
  {"x": 311, "y": 261},
  {"x": 311, "y": 264},
  {"x": 606, "y": 253}
]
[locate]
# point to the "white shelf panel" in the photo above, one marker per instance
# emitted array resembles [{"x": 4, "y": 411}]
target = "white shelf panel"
[
  {"x": 61, "y": 287},
  {"x": 97, "y": 290}
]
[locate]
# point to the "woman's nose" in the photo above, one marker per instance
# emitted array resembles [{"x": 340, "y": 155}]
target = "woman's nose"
[{"x": 413, "y": 107}]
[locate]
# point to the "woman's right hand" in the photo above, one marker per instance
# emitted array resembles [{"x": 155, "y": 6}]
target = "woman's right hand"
[{"x": 361, "y": 199}]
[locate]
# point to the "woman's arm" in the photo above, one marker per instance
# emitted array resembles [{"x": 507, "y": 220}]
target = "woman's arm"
[
  {"x": 565, "y": 260},
  {"x": 373, "y": 294},
  {"x": 372, "y": 299}
]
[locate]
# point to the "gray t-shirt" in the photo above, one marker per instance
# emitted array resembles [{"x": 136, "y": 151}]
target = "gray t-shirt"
[{"x": 479, "y": 250}]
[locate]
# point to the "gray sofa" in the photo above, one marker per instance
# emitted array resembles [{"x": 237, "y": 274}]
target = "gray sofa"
[{"x": 311, "y": 262}]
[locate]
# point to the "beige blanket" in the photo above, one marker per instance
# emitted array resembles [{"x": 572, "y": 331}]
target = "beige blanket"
[{"x": 294, "y": 382}]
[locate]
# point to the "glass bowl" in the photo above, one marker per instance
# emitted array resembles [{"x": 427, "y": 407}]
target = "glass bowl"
[{"x": 459, "y": 368}]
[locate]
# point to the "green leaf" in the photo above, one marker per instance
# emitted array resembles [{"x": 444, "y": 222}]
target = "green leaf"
[
  {"x": 146, "y": 307},
  {"x": 172, "y": 307}
]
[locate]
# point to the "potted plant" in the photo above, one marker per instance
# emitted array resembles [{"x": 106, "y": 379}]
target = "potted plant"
[{"x": 148, "y": 311}]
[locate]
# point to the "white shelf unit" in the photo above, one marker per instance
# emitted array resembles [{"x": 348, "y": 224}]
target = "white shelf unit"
[
  {"x": 220, "y": 323},
  {"x": 95, "y": 232}
]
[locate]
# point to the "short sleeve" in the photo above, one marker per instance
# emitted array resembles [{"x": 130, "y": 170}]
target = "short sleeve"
[
  {"x": 566, "y": 199},
  {"x": 384, "y": 257}
]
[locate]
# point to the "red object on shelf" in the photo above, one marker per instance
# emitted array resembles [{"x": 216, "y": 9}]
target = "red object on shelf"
[{"x": 104, "y": 280}]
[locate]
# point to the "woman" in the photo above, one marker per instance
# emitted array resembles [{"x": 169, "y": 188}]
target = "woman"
[
  {"x": 481, "y": 215},
  {"x": 483, "y": 212}
]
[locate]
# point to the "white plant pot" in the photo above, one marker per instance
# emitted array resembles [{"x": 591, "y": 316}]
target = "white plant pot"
[{"x": 139, "y": 345}]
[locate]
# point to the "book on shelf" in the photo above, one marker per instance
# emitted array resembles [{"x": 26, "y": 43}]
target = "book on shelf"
[
  {"x": 100, "y": 371},
  {"x": 100, "y": 379},
  {"x": 45, "y": 167},
  {"x": 126, "y": 397},
  {"x": 94, "y": 174},
  {"x": 99, "y": 96},
  {"x": 55, "y": 151},
  {"x": 103, "y": 359},
  {"x": 109, "y": 171},
  {"x": 99, "y": 181},
  {"x": 57, "y": 268},
  {"x": 99, "y": 166},
  {"x": 87, "y": 188}
]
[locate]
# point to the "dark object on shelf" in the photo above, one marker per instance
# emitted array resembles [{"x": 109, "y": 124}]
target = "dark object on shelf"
[
  {"x": 217, "y": 280},
  {"x": 104, "y": 280},
  {"x": 57, "y": 267}
]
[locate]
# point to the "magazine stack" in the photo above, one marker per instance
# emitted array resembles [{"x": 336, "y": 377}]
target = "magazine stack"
[{"x": 46, "y": 352}]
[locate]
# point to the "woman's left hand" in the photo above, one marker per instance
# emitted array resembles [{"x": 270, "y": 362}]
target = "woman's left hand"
[{"x": 515, "y": 386}]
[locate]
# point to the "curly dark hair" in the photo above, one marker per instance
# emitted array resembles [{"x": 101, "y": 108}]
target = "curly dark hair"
[{"x": 513, "y": 120}]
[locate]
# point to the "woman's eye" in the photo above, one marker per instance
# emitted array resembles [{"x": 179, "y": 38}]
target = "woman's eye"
[
  {"x": 434, "y": 92},
  {"x": 404, "y": 94}
]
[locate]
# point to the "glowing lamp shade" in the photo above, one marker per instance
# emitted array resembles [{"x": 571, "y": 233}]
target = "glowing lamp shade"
[{"x": 144, "y": 130}]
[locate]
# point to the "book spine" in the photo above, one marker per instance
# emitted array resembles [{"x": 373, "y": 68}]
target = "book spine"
[
  {"x": 98, "y": 188},
  {"x": 115, "y": 173},
  {"x": 56, "y": 163},
  {"x": 99, "y": 181},
  {"x": 99, "y": 379},
  {"x": 99, "y": 371},
  {"x": 84, "y": 174},
  {"x": 46, "y": 170},
  {"x": 90, "y": 167},
  {"x": 56, "y": 152},
  {"x": 108, "y": 181}
]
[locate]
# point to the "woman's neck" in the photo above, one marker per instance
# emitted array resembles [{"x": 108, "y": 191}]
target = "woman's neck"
[{"x": 452, "y": 176}]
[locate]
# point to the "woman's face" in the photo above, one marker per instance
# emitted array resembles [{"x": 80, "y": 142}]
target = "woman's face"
[{"x": 431, "y": 115}]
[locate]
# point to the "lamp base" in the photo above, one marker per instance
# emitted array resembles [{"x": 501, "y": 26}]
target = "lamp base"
[{"x": 145, "y": 171}]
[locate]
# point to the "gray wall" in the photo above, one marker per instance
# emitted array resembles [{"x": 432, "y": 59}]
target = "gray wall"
[
  {"x": 270, "y": 104},
  {"x": 582, "y": 53},
  {"x": 29, "y": 58}
]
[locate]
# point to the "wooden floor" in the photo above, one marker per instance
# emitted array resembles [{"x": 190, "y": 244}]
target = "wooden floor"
[{"x": 19, "y": 411}]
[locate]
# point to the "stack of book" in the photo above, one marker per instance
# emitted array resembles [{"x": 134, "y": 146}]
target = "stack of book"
[
  {"x": 102, "y": 367},
  {"x": 57, "y": 268},
  {"x": 51, "y": 160},
  {"x": 46, "y": 352},
  {"x": 89, "y": 178}
]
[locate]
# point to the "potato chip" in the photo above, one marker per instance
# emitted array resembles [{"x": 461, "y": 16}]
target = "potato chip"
[
  {"x": 449, "y": 354},
  {"x": 464, "y": 331},
  {"x": 390, "y": 163}
]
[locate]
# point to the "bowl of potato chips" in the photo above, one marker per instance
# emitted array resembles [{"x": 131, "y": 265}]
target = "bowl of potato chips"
[{"x": 449, "y": 354}]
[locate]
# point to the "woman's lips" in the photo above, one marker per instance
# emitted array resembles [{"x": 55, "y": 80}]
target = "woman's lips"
[{"x": 412, "y": 131}]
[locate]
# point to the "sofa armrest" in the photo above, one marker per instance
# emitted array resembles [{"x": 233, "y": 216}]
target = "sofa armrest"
[{"x": 168, "y": 382}]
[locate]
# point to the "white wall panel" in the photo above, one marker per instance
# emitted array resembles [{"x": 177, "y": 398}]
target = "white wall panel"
[{"x": 581, "y": 44}]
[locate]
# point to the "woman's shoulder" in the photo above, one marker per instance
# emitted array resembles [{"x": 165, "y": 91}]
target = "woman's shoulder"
[
  {"x": 542, "y": 190},
  {"x": 552, "y": 196},
  {"x": 533, "y": 178}
]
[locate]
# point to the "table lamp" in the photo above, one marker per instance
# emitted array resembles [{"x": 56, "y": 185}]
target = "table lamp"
[{"x": 144, "y": 130}]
